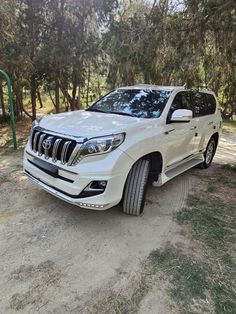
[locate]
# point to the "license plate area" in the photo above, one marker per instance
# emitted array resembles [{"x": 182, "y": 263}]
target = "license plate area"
[{"x": 45, "y": 166}]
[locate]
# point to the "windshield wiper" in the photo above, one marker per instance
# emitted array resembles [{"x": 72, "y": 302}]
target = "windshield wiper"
[
  {"x": 121, "y": 113},
  {"x": 113, "y": 112}
]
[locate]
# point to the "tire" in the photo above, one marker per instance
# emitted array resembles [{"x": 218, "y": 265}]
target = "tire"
[
  {"x": 208, "y": 154},
  {"x": 136, "y": 188}
]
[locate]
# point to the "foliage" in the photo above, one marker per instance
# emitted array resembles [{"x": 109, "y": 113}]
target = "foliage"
[{"x": 75, "y": 50}]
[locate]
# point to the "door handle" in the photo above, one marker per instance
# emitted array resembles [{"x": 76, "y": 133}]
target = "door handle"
[
  {"x": 167, "y": 132},
  {"x": 193, "y": 127},
  {"x": 210, "y": 123}
]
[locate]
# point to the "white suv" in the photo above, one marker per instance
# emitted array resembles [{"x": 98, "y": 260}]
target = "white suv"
[{"x": 132, "y": 136}]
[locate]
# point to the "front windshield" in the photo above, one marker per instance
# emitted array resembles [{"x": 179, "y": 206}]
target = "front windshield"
[{"x": 133, "y": 102}]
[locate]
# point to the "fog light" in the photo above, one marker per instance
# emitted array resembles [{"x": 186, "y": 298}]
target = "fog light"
[
  {"x": 102, "y": 184},
  {"x": 94, "y": 188}
]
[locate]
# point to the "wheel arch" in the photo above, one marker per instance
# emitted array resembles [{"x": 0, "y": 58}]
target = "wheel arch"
[{"x": 156, "y": 164}]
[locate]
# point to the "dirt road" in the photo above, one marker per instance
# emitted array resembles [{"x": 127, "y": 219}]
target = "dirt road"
[{"x": 57, "y": 258}]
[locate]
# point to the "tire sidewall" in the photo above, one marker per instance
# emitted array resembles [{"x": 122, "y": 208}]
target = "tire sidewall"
[
  {"x": 138, "y": 210},
  {"x": 144, "y": 194},
  {"x": 207, "y": 164}
]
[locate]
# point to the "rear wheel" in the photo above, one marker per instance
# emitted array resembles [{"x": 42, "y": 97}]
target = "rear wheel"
[
  {"x": 209, "y": 154},
  {"x": 135, "y": 188}
]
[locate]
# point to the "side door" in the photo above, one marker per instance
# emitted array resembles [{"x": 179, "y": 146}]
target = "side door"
[
  {"x": 180, "y": 137},
  {"x": 204, "y": 107}
]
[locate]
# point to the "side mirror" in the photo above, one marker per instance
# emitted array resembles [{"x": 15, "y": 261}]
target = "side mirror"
[{"x": 181, "y": 115}]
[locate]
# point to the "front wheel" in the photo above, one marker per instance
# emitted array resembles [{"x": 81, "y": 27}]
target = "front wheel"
[
  {"x": 209, "y": 154},
  {"x": 135, "y": 188}
]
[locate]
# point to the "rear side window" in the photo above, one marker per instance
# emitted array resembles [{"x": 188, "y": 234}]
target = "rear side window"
[
  {"x": 210, "y": 103},
  {"x": 199, "y": 105}
]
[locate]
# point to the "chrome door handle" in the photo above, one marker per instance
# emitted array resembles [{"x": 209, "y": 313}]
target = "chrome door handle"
[{"x": 193, "y": 127}]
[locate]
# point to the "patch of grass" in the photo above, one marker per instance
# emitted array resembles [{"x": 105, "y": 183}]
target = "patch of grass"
[
  {"x": 227, "y": 180},
  {"x": 210, "y": 219},
  {"x": 195, "y": 283},
  {"x": 3, "y": 178},
  {"x": 189, "y": 277},
  {"x": 122, "y": 303},
  {"x": 224, "y": 298},
  {"x": 228, "y": 261},
  {"x": 211, "y": 189},
  {"x": 230, "y": 167}
]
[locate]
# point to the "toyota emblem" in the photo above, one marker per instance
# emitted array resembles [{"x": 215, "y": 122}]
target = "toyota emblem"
[{"x": 47, "y": 144}]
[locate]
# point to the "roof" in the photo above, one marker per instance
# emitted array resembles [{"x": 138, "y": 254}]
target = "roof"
[{"x": 152, "y": 87}]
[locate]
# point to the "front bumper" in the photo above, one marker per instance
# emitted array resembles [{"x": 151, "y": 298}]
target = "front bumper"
[{"x": 112, "y": 167}]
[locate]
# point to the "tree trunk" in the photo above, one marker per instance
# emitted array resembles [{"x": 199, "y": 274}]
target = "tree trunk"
[
  {"x": 88, "y": 83},
  {"x": 33, "y": 94},
  {"x": 74, "y": 90},
  {"x": 78, "y": 104},
  {"x": 57, "y": 96},
  {"x": 39, "y": 98},
  {"x": 67, "y": 95},
  {"x": 18, "y": 98},
  {"x": 99, "y": 88},
  {"x": 2, "y": 101}
]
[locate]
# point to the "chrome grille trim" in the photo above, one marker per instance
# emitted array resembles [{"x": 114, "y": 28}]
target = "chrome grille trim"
[
  {"x": 35, "y": 141},
  {"x": 55, "y": 149},
  {"x": 74, "y": 155},
  {"x": 64, "y": 152},
  {"x": 61, "y": 149},
  {"x": 40, "y": 144}
]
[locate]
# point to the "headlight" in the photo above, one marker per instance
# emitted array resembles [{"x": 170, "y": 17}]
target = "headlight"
[{"x": 101, "y": 145}]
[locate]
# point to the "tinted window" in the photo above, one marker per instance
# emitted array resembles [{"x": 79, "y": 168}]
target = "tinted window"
[
  {"x": 199, "y": 105},
  {"x": 210, "y": 103},
  {"x": 134, "y": 102},
  {"x": 181, "y": 101},
  {"x": 203, "y": 104}
]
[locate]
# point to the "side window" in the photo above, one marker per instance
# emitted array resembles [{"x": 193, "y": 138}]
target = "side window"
[
  {"x": 210, "y": 103},
  {"x": 181, "y": 101},
  {"x": 199, "y": 105}
]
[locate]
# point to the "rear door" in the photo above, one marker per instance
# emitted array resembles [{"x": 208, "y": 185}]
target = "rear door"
[{"x": 204, "y": 107}]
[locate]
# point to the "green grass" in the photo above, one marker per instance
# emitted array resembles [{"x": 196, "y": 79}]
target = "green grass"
[
  {"x": 230, "y": 167},
  {"x": 210, "y": 220},
  {"x": 189, "y": 277},
  {"x": 228, "y": 179},
  {"x": 194, "y": 283},
  {"x": 211, "y": 189}
]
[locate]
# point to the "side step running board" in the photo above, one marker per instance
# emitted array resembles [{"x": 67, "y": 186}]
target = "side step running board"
[{"x": 169, "y": 174}]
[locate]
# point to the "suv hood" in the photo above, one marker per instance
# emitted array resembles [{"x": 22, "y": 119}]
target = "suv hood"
[{"x": 88, "y": 123}]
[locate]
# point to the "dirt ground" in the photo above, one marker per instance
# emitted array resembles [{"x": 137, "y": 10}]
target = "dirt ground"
[{"x": 58, "y": 258}]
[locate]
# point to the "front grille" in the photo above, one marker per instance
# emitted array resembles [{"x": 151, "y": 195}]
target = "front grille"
[{"x": 54, "y": 147}]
